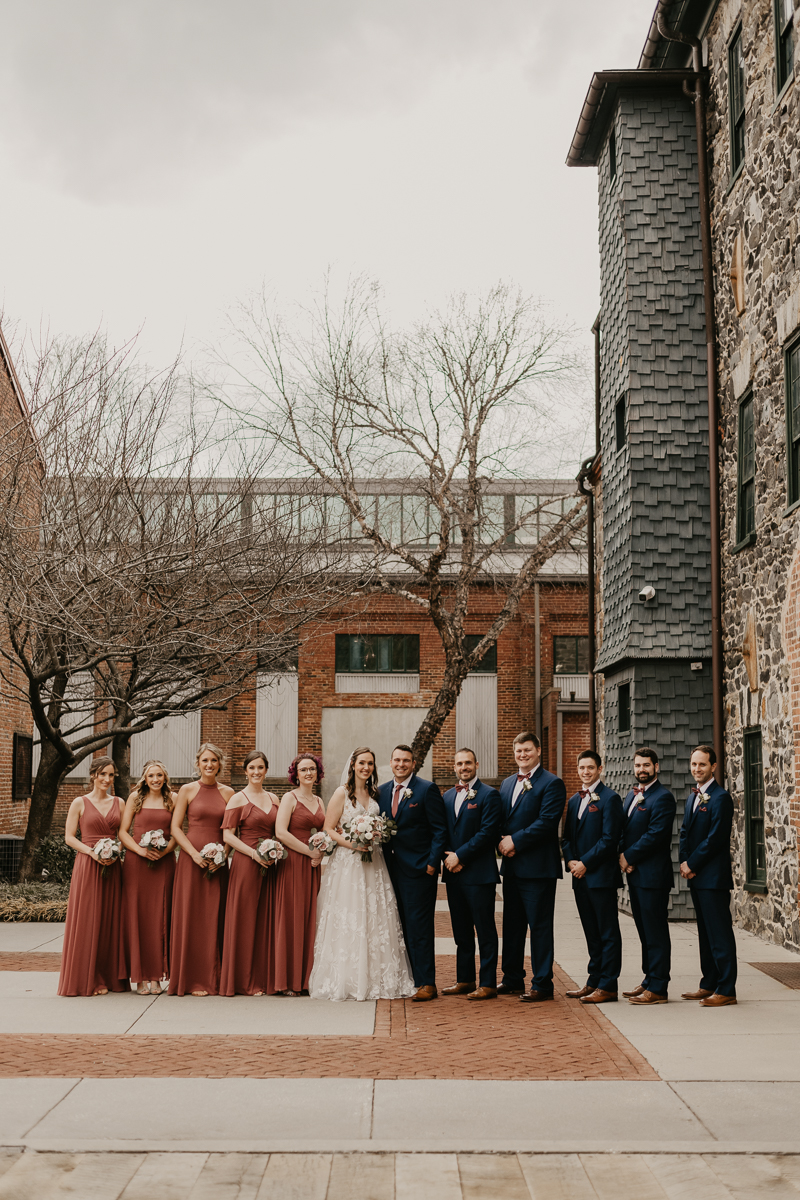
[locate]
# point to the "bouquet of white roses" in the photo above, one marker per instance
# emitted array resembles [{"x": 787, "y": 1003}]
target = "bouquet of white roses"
[
  {"x": 108, "y": 851},
  {"x": 322, "y": 842},
  {"x": 271, "y": 852},
  {"x": 214, "y": 853},
  {"x": 366, "y": 831},
  {"x": 154, "y": 839}
]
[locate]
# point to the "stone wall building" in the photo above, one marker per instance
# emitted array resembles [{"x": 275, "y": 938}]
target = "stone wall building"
[{"x": 641, "y": 125}]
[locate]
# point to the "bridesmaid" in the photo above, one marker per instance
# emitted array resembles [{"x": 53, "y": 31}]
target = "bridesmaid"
[
  {"x": 299, "y": 814},
  {"x": 250, "y": 908},
  {"x": 91, "y": 962},
  {"x": 148, "y": 876},
  {"x": 198, "y": 903}
]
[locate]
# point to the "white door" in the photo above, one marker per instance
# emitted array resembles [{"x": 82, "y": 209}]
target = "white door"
[
  {"x": 276, "y": 720},
  {"x": 174, "y": 741},
  {"x": 476, "y": 721}
]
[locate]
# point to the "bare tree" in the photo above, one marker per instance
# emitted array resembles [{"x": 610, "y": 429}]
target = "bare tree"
[
  {"x": 454, "y": 407},
  {"x": 141, "y": 573}
]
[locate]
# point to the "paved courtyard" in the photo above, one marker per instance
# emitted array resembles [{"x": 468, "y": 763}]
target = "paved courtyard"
[{"x": 127, "y": 1096}]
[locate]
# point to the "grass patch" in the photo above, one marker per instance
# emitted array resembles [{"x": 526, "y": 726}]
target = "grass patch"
[{"x": 33, "y": 901}]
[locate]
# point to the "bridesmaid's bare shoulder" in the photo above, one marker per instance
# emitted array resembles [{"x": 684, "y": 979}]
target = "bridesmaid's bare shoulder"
[
  {"x": 188, "y": 791},
  {"x": 237, "y": 800},
  {"x": 225, "y": 791},
  {"x": 77, "y": 805}
]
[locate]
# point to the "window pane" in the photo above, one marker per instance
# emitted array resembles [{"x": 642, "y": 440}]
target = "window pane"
[
  {"x": 492, "y": 518},
  {"x": 383, "y": 653},
  {"x": 793, "y": 389},
  {"x": 338, "y": 519},
  {"x": 415, "y": 520},
  {"x": 412, "y": 651},
  {"x": 624, "y": 707},
  {"x": 342, "y": 652},
  {"x": 620, "y": 431},
  {"x": 526, "y": 513},
  {"x": 565, "y": 656},
  {"x": 488, "y": 664},
  {"x": 377, "y": 653},
  {"x": 390, "y": 516},
  {"x": 583, "y": 655},
  {"x": 754, "y": 807},
  {"x": 736, "y": 97}
]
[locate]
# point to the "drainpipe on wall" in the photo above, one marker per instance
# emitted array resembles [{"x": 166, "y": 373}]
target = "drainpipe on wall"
[
  {"x": 537, "y": 650},
  {"x": 589, "y": 494},
  {"x": 698, "y": 99}
]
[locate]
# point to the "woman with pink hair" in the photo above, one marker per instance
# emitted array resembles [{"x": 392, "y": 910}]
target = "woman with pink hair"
[{"x": 300, "y": 814}]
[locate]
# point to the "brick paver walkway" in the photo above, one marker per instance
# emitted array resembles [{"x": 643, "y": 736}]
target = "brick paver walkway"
[
  {"x": 450, "y": 1038},
  {"x": 29, "y": 960}
]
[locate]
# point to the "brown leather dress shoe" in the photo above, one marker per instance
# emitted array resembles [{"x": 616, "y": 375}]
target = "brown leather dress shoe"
[
  {"x": 458, "y": 989},
  {"x": 503, "y": 990},
  {"x": 717, "y": 1001},
  {"x": 534, "y": 996},
  {"x": 483, "y": 993},
  {"x": 648, "y": 998},
  {"x": 700, "y": 994},
  {"x": 637, "y": 991},
  {"x": 598, "y": 996},
  {"x": 579, "y": 993},
  {"x": 428, "y": 992}
]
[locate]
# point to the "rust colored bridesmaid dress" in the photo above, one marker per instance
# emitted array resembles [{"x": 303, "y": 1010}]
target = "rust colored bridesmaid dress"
[
  {"x": 250, "y": 907},
  {"x": 147, "y": 902},
  {"x": 296, "y": 908},
  {"x": 92, "y": 954},
  {"x": 198, "y": 904}
]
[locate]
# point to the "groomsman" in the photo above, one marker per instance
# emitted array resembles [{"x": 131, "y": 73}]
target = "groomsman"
[
  {"x": 705, "y": 858},
  {"x": 646, "y": 858},
  {"x": 472, "y": 815},
  {"x": 532, "y": 805},
  {"x": 414, "y": 856},
  {"x": 592, "y": 832}
]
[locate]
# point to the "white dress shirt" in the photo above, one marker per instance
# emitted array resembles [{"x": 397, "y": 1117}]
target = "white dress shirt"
[
  {"x": 587, "y": 800},
  {"x": 520, "y": 782},
  {"x": 703, "y": 793},
  {"x": 460, "y": 798},
  {"x": 637, "y": 799}
]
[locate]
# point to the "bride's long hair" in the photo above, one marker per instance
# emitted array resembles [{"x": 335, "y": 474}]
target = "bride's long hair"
[{"x": 372, "y": 782}]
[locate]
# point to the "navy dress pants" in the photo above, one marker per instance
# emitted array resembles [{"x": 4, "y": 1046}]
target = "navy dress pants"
[
  {"x": 472, "y": 911},
  {"x": 717, "y": 943},
  {"x": 528, "y": 904},
  {"x": 416, "y": 903},
  {"x": 597, "y": 909},
  {"x": 650, "y": 907}
]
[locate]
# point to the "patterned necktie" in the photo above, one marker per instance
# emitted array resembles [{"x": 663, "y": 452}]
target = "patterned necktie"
[{"x": 398, "y": 787}]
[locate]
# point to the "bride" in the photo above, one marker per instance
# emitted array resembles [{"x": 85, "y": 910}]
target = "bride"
[{"x": 359, "y": 953}]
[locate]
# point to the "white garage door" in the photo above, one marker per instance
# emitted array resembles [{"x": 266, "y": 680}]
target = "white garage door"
[
  {"x": 276, "y": 720},
  {"x": 476, "y": 721}
]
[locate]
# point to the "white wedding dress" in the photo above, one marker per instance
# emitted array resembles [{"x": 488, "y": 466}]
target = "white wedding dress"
[{"x": 359, "y": 952}]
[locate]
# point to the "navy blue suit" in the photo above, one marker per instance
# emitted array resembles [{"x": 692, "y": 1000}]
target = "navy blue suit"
[
  {"x": 418, "y": 844},
  {"x": 594, "y": 840},
  {"x": 473, "y": 835},
  {"x": 530, "y": 876},
  {"x": 705, "y": 847},
  {"x": 647, "y": 846}
]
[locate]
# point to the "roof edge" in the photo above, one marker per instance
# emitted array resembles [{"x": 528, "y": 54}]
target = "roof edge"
[{"x": 596, "y": 108}]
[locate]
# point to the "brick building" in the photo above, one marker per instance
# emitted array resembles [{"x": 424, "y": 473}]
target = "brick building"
[
  {"x": 674, "y": 365},
  {"x": 371, "y": 671},
  {"x": 16, "y": 740}
]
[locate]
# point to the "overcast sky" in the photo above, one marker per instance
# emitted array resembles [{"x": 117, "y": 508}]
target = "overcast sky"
[{"x": 161, "y": 158}]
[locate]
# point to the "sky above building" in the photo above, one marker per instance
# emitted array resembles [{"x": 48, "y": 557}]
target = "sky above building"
[{"x": 163, "y": 160}]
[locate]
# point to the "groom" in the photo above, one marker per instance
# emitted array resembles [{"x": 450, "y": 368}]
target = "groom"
[{"x": 414, "y": 856}]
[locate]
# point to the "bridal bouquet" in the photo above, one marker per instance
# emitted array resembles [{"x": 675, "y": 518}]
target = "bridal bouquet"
[
  {"x": 154, "y": 839},
  {"x": 214, "y": 853},
  {"x": 108, "y": 850},
  {"x": 271, "y": 852},
  {"x": 322, "y": 842},
  {"x": 366, "y": 831}
]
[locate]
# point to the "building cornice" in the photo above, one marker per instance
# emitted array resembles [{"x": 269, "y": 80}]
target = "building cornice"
[{"x": 598, "y": 107}]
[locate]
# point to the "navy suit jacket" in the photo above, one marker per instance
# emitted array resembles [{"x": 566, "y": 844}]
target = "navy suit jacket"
[
  {"x": 594, "y": 840},
  {"x": 419, "y": 841},
  {"x": 533, "y": 825},
  {"x": 647, "y": 837},
  {"x": 473, "y": 834},
  {"x": 705, "y": 844}
]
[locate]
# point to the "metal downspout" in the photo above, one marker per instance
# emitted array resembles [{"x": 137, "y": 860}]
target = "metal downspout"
[
  {"x": 698, "y": 99},
  {"x": 589, "y": 494}
]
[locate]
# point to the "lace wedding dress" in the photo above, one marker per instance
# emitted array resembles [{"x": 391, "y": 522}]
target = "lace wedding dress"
[{"x": 359, "y": 952}]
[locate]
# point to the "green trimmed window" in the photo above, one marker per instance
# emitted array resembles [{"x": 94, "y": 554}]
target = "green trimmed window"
[
  {"x": 791, "y": 369},
  {"x": 746, "y": 490},
  {"x": 570, "y": 655},
  {"x": 736, "y": 100},
  {"x": 488, "y": 664},
  {"x": 624, "y": 708},
  {"x": 377, "y": 653},
  {"x": 784, "y": 42},
  {"x": 755, "y": 851}
]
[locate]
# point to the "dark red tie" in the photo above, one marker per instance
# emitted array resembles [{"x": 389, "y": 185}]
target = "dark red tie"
[{"x": 398, "y": 787}]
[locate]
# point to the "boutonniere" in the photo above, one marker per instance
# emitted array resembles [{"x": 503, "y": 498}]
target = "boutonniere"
[
  {"x": 471, "y": 794},
  {"x": 407, "y": 793},
  {"x": 526, "y": 785}
]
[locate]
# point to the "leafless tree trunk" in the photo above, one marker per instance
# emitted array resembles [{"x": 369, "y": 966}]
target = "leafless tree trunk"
[
  {"x": 141, "y": 572},
  {"x": 459, "y": 404}
]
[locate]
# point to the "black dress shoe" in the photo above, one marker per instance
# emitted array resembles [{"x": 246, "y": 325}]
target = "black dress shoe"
[
  {"x": 534, "y": 996},
  {"x": 504, "y": 990}
]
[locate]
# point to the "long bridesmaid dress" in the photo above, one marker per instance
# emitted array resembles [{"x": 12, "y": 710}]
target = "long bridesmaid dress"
[
  {"x": 198, "y": 904},
  {"x": 147, "y": 902},
  {"x": 92, "y": 957},
  {"x": 250, "y": 908},
  {"x": 296, "y": 907}
]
